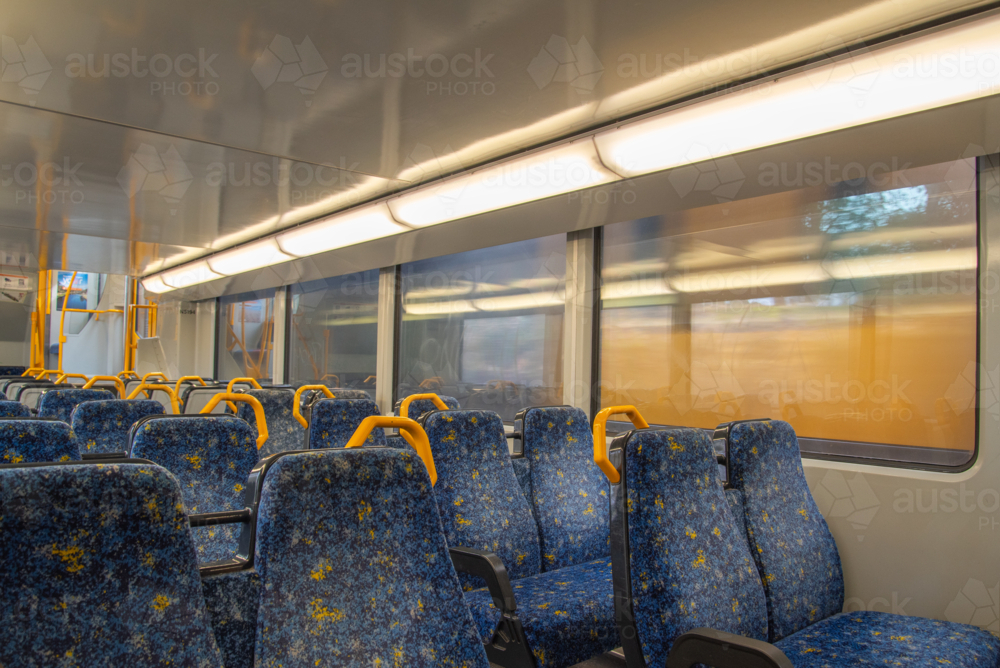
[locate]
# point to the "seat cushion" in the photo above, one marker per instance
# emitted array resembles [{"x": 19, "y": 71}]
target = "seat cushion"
[
  {"x": 99, "y": 570},
  {"x": 790, "y": 541},
  {"x": 211, "y": 457},
  {"x": 569, "y": 494},
  {"x": 481, "y": 503},
  {"x": 882, "y": 639},
  {"x": 35, "y": 441},
  {"x": 333, "y": 422},
  {"x": 568, "y": 615},
  {"x": 104, "y": 426},
  {"x": 283, "y": 431},
  {"x": 59, "y": 404},
  {"x": 13, "y": 409}
]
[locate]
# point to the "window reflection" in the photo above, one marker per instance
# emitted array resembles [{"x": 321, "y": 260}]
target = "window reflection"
[
  {"x": 334, "y": 328},
  {"x": 486, "y": 326},
  {"x": 246, "y": 340},
  {"x": 848, "y": 310}
]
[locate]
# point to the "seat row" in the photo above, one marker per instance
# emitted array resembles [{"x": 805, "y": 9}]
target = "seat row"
[{"x": 539, "y": 542}]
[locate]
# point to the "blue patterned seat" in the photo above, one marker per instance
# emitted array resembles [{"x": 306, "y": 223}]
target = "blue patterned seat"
[
  {"x": 283, "y": 431},
  {"x": 420, "y": 406},
  {"x": 334, "y": 421},
  {"x": 568, "y": 493},
  {"x": 13, "y": 409},
  {"x": 354, "y": 567},
  {"x": 34, "y": 441},
  {"x": 688, "y": 565},
  {"x": 103, "y": 426},
  {"x": 570, "y": 610},
  {"x": 59, "y": 404},
  {"x": 99, "y": 570},
  {"x": 800, "y": 567},
  {"x": 211, "y": 457},
  {"x": 11, "y": 370}
]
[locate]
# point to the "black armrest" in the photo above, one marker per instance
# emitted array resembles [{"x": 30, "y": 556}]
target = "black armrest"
[
  {"x": 724, "y": 650},
  {"x": 489, "y": 567}
]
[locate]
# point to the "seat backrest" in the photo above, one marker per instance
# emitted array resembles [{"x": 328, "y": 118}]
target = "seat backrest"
[
  {"x": 13, "y": 409},
  {"x": 196, "y": 397},
  {"x": 789, "y": 539},
  {"x": 420, "y": 406},
  {"x": 11, "y": 370},
  {"x": 354, "y": 567},
  {"x": 480, "y": 500},
  {"x": 211, "y": 456},
  {"x": 283, "y": 431},
  {"x": 103, "y": 426},
  {"x": 59, "y": 404},
  {"x": 687, "y": 563},
  {"x": 334, "y": 421},
  {"x": 569, "y": 494},
  {"x": 33, "y": 441},
  {"x": 99, "y": 569}
]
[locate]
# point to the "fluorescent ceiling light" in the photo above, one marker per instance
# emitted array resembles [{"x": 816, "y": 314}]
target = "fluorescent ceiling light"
[
  {"x": 544, "y": 174},
  {"x": 521, "y": 302},
  {"x": 155, "y": 284},
  {"x": 189, "y": 274},
  {"x": 346, "y": 229},
  {"x": 944, "y": 68},
  {"x": 440, "y": 308},
  {"x": 259, "y": 254},
  {"x": 928, "y": 262}
]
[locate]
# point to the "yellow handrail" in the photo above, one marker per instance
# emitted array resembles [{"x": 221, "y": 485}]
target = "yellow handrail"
[
  {"x": 254, "y": 383},
  {"x": 182, "y": 379},
  {"x": 601, "y": 437},
  {"x": 63, "y": 377},
  {"x": 62, "y": 320},
  {"x": 404, "y": 408},
  {"x": 411, "y": 431},
  {"x": 165, "y": 388},
  {"x": 110, "y": 379},
  {"x": 298, "y": 394},
  {"x": 48, "y": 372},
  {"x": 331, "y": 375},
  {"x": 258, "y": 411},
  {"x": 153, "y": 373},
  {"x": 31, "y": 372},
  {"x": 131, "y": 374}
]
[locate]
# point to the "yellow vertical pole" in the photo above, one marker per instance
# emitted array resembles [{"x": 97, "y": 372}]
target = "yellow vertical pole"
[{"x": 62, "y": 320}]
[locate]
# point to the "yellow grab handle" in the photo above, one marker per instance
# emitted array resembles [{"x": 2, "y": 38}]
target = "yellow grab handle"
[
  {"x": 298, "y": 393},
  {"x": 404, "y": 408},
  {"x": 258, "y": 411},
  {"x": 165, "y": 388},
  {"x": 111, "y": 379},
  {"x": 48, "y": 372},
  {"x": 61, "y": 379},
  {"x": 411, "y": 431},
  {"x": 601, "y": 439},
  {"x": 152, "y": 374},
  {"x": 128, "y": 374},
  {"x": 182, "y": 379},
  {"x": 254, "y": 383},
  {"x": 32, "y": 371}
]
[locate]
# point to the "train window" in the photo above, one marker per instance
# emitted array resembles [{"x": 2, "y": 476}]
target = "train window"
[
  {"x": 246, "y": 336},
  {"x": 486, "y": 326},
  {"x": 334, "y": 327},
  {"x": 848, "y": 309}
]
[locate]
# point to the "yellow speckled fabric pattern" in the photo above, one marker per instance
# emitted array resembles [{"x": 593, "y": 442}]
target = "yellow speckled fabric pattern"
[
  {"x": 689, "y": 564},
  {"x": 98, "y": 570},
  {"x": 569, "y": 494}
]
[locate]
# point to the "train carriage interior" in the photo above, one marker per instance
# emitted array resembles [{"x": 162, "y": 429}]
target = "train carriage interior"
[{"x": 567, "y": 334}]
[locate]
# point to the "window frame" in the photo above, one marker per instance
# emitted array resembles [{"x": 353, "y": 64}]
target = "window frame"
[{"x": 866, "y": 458}]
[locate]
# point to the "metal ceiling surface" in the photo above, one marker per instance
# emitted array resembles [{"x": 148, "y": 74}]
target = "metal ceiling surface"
[{"x": 162, "y": 131}]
